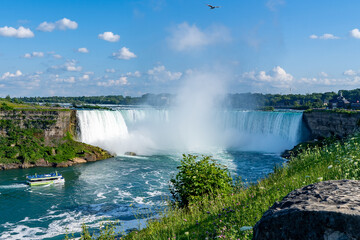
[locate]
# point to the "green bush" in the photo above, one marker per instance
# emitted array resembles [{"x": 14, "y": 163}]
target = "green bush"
[
  {"x": 199, "y": 178},
  {"x": 267, "y": 108},
  {"x": 5, "y": 107}
]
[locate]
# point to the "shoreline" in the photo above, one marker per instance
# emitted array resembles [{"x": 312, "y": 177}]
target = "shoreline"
[{"x": 89, "y": 157}]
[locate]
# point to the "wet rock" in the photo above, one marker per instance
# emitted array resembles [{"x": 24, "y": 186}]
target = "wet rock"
[
  {"x": 327, "y": 210},
  {"x": 130, "y": 154},
  {"x": 64, "y": 164},
  {"x": 90, "y": 157},
  {"x": 78, "y": 160},
  {"x": 8, "y": 166},
  {"x": 42, "y": 163},
  {"x": 26, "y": 165}
]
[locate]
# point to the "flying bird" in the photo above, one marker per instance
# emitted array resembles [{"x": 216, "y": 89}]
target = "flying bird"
[{"x": 213, "y": 7}]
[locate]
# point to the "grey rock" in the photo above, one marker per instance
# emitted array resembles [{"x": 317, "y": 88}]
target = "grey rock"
[
  {"x": 42, "y": 163},
  {"x": 326, "y": 124},
  {"x": 90, "y": 157},
  {"x": 64, "y": 164},
  {"x": 328, "y": 210},
  {"x": 130, "y": 153}
]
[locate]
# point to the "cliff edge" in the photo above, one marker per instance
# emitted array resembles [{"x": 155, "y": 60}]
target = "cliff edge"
[{"x": 42, "y": 138}]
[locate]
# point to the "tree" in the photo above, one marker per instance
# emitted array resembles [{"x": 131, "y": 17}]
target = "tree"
[{"x": 199, "y": 178}]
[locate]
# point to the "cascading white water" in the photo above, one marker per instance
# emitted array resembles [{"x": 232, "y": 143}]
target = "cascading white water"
[
  {"x": 152, "y": 131},
  {"x": 97, "y": 127}
]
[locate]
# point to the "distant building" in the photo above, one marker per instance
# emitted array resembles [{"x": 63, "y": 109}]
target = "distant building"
[
  {"x": 355, "y": 105},
  {"x": 339, "y": 102}
]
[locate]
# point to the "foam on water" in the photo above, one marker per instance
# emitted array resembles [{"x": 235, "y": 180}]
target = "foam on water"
[{"x": 14, "y": 186}]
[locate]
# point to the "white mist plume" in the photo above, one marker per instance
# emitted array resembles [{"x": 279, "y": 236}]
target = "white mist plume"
[
  {"x": 187, "y": 127},
  {"x": 195, "y": 124}
]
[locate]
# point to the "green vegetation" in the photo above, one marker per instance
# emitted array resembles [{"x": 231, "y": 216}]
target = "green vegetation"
[
  {"x": 150, "y": 99},
  {"x": 238, "y": 100},
  {"x": 90, "y": 107},
  {"x": 336, "y": 110},
  {"x": 14, "y": 104},
  {"x": 232, "y": 216},
  {"x": 23, "y": 141},
  {"x": 268, "y": 108},
  {"x": 199, "y": 178},
  {"x": 107, "y": 232}
]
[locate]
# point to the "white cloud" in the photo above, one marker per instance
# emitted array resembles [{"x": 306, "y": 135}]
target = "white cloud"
[
  {"x": 136, "y": 74},
  {"x": 277, "y": 77},
  {"x": 57, "y": 56},
  {"x": 7, "y": 75},
  {"x": 46, "y": 27},
  {"x": 325, "y": 36},
  {"x": 160, "y": 74},
  {"x": 69, "y": 66},
  {"x": 65, "y": 23},
  {"x": 21, "y": 32},
  {"x": 323, "y": 74},
  {"x": 66, "y": 80},
  {"x": 109, "y": 83},
  {"x": 340, "y": 82},
  {"x": 83, "y": 50},
  {"x": 62, "y": 24},
  {"x": 110, "y": 70},
  {"x": 350, "y": 72},
  {"x": 34, "y": 54},
  {"x": 85, "y": 77},
  {"x": 355, "y": 33},
  {"x": 185, "y": 37},
  {"x": 123, "y": 53},
  {"x": 109, "y": 36}
]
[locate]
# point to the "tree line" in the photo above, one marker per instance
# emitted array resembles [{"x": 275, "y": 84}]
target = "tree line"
[{"x": 237, "y": 100}]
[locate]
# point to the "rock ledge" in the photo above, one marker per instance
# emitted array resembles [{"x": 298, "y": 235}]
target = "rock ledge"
[{"x": 326, "y": 210}]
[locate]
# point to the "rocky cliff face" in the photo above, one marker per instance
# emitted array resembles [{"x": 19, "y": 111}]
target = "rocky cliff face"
[
  {"x": 54, "y": 123},
  {"x": 326, "y": 124}
]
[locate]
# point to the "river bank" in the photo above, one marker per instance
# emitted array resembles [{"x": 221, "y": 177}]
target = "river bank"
[{"x": 93, "y": 154}]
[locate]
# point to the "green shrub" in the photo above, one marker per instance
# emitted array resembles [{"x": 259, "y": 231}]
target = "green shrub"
[
  {"x": 199, "y": 178},
  {"x": 5, "y": 107},
  {"x": 267, "y": 108}
]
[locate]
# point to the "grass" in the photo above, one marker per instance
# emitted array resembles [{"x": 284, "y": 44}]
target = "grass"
[
  {"x": 27, "y": 106},
  {"x": 336, "y": 110},
  {"x": 232, "y": 216}
]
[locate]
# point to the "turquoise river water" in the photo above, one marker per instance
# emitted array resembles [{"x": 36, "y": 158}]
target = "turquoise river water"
[{"x": 122, "y": 187}]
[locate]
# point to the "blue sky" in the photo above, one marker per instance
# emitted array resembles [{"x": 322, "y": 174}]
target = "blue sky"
[{"x": 89, "y": 47}]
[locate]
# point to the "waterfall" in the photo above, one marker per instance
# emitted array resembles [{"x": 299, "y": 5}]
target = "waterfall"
[
  {"x": 101, "y": 126},
  {"x": 156, "y": 131}
]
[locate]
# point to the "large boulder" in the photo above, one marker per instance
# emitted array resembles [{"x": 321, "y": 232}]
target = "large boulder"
[{"x": 328, "y": 210}]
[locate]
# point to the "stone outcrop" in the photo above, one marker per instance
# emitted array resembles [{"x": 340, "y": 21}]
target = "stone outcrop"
[
  {"x": 54, "y": 123},
  {"x": 53, "y": 126},
  {"x": 327, "y": 123},
  {"x": 327, "y": 210}
]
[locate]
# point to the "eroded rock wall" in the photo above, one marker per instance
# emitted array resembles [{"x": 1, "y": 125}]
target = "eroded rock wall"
[
  {"x": 54, "y": 123},
  {"x": 326, "y": 124}
]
